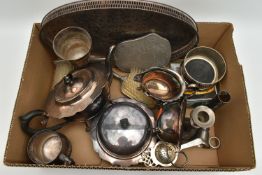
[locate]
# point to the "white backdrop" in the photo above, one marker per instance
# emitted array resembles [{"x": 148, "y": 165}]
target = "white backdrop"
[{"x": 17, "y": 17}]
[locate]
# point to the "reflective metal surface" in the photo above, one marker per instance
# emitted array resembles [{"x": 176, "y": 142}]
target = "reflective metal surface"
[
  {"x": 164, "y": 154},
  {"x": 48, "y": 146},
  {"x": 131, "y": 88},
  {"x": 75, "y": 93},
  {"x": 73, "y": 44},
  {"x": 73, "y": 85},
  {"x": 202, "y": 117},
  {"x": 124, "y": 128},
  {"x": 62, "y": 68},
  {"x": 123, "y": 132},
  {"x": 189, "y": 132},
  {"x": 134, "y": 19},
  {"x": 144, "y": 52},
  {"x": 214, "y": 142},
  {"x": 157, "y": 88},
  {"x": 202, "y": 140},
  {"x": 204, "y": 66},
  {"x": 220, "y": 99},
  {"x": 170, "y": 122},
  {"x": 162, "y": 84}
]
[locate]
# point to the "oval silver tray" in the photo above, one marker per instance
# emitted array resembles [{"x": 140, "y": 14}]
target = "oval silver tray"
[{"x": 112, "y": 21}]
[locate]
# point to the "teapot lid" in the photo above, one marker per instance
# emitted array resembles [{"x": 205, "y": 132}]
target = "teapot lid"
[
  {"x": 73, "y": 86},
  {"x": 77, "y": 91}
]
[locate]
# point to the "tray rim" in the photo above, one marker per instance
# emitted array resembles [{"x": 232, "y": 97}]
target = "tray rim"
[{"x": 143, "y": 5}]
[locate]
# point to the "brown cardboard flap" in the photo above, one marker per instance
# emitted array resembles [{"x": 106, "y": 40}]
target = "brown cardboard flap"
[
  {"x": 232, "y": 126},
  {"x": 34, "y": 88},
  {"x": 211, "y": 33}
]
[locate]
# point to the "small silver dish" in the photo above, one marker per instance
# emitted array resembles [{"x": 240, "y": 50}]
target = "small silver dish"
[{"x": 162, "y": 84}]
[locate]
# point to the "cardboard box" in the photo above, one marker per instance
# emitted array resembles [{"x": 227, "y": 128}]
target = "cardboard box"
[{"x": 232, "y": 126}]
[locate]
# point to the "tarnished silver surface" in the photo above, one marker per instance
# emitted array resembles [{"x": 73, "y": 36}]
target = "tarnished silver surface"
[
  {"x": 201, "y": 69},
  {"x": 74, "y": 86},
  {"x": 157, "y": 88},
  {"x": 130, "y": 88},
  {"x": 202, "y": 140},
  {"x": 51, "y": 148},
  {"x": 204, "y": 67},
  {"x": 214, "y": 142},
  {"x": 221, "y": 98},
  {"x": 84, "y": 94},
  {"x": 47, "y": 146},
  {"x": 196, "y": 142},
  {"x": 202, "y": 117},
  {"x": 144, "y": 52},
  {"x": 122, "y": 160},
  {"x": 73, "y": 44},
  {"x": 113, "y": 21},
  {"x": 62, "y": 68},
  {"x": 164, "y": 154},
  {"x": 162, "y": 84},
  {"x": 170, "y": 122}
]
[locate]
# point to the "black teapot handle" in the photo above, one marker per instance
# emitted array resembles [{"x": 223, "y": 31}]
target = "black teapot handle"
[{"x": 27, "y": 118}]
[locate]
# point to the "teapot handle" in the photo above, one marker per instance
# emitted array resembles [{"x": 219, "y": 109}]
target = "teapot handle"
[
  {"x": 108, "y": 62},
  {"x": 27, "y": 118}
]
